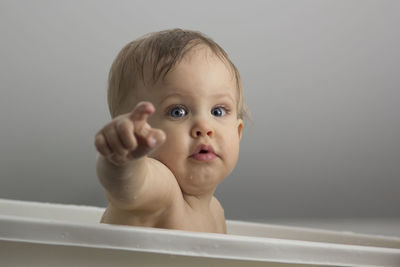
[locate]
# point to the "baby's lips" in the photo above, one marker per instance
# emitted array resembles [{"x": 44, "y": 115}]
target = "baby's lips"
[
  {"x": 204, "y": 157},
  {"x": 204, "y": 153},
  {"x": 203, "y": 147}
]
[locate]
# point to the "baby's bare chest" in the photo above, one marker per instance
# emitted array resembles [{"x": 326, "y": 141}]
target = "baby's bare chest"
[
  {"x": 179, "y": 217},
  {"x": 186, "y": 219}
]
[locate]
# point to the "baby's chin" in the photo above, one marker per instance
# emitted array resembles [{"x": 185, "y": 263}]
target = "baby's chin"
[
  {"x": 193, "y": 184},
  {"x": 195, "y": 179}
]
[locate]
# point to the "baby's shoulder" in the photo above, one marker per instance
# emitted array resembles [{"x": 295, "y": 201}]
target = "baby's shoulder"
[
  {"x": 217, "y": 209},
  {"x": 215, "y": 204},
  {"x": 219, "y": 214}
]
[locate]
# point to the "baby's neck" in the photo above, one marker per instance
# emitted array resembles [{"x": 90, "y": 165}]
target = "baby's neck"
[{"x": 199, "y": 203}]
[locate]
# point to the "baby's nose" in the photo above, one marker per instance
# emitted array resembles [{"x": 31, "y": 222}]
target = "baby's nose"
[{"x": 202, "y": 130}]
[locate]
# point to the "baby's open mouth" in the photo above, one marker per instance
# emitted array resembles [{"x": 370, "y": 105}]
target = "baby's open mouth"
[{"x": 204, "y": 153}]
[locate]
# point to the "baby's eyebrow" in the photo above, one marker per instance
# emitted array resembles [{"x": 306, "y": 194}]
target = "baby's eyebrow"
[
  {"x": 176, "y": 95},
  {"x": 224, "y": 95},
  {"x": 217, "y": 96}
]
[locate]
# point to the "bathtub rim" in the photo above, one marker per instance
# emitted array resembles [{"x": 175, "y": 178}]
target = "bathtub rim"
[{"x": 18, "y": 228}]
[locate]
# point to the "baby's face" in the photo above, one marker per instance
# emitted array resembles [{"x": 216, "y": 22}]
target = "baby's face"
[{"x": 196, "y": 106}]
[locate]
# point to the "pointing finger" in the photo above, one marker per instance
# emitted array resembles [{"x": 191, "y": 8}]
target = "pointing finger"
[
  {"x": 142, "y": 111},
  {"x": 101, "y": 145},
  {"x": 125, "y": 132},
  {"x": 153, "y": 139},
  {"x": 156, "y": 137}
]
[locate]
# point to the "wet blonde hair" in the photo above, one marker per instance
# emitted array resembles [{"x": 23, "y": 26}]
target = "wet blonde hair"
[{"x": 158, "y": 52}]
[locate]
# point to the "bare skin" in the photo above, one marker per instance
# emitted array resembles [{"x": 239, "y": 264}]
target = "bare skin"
[{"x": 161, "y": 163}]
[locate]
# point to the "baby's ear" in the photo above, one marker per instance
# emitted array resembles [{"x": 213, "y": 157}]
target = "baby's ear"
[{"x": 240, "y": 128}]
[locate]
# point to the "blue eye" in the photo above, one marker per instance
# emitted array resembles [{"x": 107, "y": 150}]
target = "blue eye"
[
  {"x": 177, "y": 112},
  {"x": 218, "y": 111}
]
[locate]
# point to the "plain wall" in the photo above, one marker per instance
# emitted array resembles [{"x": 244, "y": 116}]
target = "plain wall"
[{"x": 321, "y": 79}]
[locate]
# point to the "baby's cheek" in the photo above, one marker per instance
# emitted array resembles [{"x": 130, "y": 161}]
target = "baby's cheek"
[
  {"x": 232, "y": 150},
  {"x": 171, "y": 150}
]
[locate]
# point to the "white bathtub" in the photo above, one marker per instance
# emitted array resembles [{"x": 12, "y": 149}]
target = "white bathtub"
[{"x": 46, "y": 234}]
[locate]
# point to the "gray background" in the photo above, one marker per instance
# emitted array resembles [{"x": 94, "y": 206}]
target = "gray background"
[{"x": 321, "y": 79}]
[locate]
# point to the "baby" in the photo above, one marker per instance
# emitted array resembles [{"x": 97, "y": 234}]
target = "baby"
[{"x": 177, "y": 105}]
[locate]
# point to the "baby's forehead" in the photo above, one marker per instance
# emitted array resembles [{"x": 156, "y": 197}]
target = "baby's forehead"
[
  {"x": 199, "y": 50},
  {"x": 181, "y": 71},
  {"x": 203, "y": 54},
  {"x": 206, "y": 54}
]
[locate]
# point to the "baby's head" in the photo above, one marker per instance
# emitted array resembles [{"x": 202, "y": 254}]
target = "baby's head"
[
  {"x": 198, "y": 99},
  {"x": 150, "y": 58}
]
